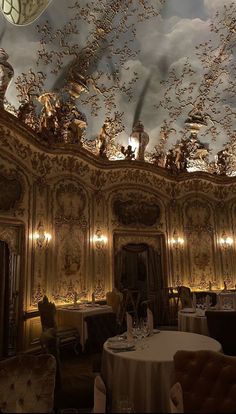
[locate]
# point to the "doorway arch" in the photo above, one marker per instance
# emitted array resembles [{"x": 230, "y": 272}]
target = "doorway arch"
[{"x": 140, "y": 264}]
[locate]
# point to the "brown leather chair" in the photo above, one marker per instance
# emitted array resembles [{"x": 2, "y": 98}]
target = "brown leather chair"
[
  {"x": 222, "y": 327},
  {"x": 27, "y": 384},
  {"x": 65, "y": 335},
  {"x": 208, "y": 381}
]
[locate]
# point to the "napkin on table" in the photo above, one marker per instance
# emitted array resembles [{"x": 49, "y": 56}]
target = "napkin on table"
[
  {"x": 99, "y": 395},
  {"x": 129, "y": 323},
  {"x": 194, "y": 301},
  {"x": 150, "y": 321}
]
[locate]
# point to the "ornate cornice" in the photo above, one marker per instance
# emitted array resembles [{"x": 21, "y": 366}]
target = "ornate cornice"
[{"x": 46, "y": 162}]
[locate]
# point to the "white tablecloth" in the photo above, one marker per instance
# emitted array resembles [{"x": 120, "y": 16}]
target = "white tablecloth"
[
  {"x": 192, "y": 322},
  {"x": 227, "y": 300},
  {"x": 74, "y": 317},
  {"x": 145, "y": 376}
]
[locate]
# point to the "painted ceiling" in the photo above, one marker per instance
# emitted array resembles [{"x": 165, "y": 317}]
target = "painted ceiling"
[{"x": 162, "y": 45}]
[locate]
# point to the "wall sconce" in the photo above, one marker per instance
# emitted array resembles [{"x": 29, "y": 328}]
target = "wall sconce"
[
  {"x": 225, "y": 241},
  {"x": 176, "y": 241},
  {"x": 41, "y": 237},
  {"x": 99, "y": 239}
]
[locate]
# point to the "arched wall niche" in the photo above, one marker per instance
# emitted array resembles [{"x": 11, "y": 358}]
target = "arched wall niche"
[{"x": 156, "y": 245}]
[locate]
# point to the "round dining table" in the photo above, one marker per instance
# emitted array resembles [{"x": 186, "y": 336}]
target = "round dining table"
[
  {"x": 195, "y": 322},
  {"x": 144, "y": 376}
]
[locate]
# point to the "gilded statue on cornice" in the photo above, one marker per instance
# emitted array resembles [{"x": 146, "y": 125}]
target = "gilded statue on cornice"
[
  {"x": 6, "y": 74},
  {"x": 60, "y": 120}
]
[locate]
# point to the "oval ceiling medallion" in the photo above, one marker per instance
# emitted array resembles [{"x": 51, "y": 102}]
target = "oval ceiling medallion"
[{"x": 22, "y": 12}]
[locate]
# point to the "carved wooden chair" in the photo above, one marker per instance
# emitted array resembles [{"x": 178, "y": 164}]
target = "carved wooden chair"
[
  {"x": 131, "y": 302},
  {"x": 115, "y": 299},
  {"x": 72, "y": 389},
  {"x": 64, "y": 335},
  {"x": 185, "y": 296}
]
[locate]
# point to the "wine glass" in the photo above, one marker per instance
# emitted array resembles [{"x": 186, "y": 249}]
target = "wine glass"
[
  {"x": 144, "y": 327},
  {"x": 136, "y": 330}
]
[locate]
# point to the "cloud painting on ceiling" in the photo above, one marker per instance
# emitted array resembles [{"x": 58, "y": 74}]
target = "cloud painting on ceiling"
[{"x": 112, "y": 63}]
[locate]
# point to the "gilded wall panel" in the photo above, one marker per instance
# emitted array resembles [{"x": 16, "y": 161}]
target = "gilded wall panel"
[
  {"x": 200, "y": 243},
  {"x": 69, "y": 256}
]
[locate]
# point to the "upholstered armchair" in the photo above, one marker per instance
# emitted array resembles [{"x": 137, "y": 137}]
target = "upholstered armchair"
[
  {"x": 208, "y": 381},
  {"x": 27, "y": 384}
]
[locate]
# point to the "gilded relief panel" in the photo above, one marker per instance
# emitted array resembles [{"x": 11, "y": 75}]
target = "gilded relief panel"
[
  {"x": 132, "y": 208},
  {"x": 40, "y": 262},
  {"x": 177, "y": 252},
  {"x": 199, "y": 234},
  {"x": 70, "y": 241},
  {"x": 69, "y": 282}
]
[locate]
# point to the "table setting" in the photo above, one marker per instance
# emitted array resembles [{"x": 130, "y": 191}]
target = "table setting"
[
  {"x": 74, "y": 315},
  {"x": 141, "y": 369}
]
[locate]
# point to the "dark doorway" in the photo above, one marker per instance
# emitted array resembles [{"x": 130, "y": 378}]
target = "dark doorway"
[
  {"x": 139, "y": 271},
  {"x": 4, "y": 298},
  {"x": 134, "y": 269}
]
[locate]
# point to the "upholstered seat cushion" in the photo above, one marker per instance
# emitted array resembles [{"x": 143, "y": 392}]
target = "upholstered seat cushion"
[
  {"x": 208, "y": 381},
  {"x": 27, "y": 384}
]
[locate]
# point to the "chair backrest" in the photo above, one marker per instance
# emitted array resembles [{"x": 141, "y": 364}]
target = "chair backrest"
[
  {"x": 99, "y": 395},
  {"x": 47, "y": 311},
  {"x": 100, "y": 327},
  {"x": 201, "y": 295},
  {"x": 176, "y": 399},
  {"x": 208, "y": 381},
  {"x": 114, "y": 299},
  {"x": 222, "y": 327},
  {"x": 185, "y": 296},
  {"x": 27, "y": 384}
]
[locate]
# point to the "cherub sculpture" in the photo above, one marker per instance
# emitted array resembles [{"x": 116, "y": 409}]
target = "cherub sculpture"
[
  {"x": 222, "y": 161},
  {"x": 6, "y": 74},
  {"x": 104, "y": 138},
  {"x": 49, "y": 122},
  {"x": 128, "y": 152}
]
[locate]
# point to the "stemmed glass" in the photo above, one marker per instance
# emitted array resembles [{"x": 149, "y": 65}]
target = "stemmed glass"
[{"x": 136, "y": 330}]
